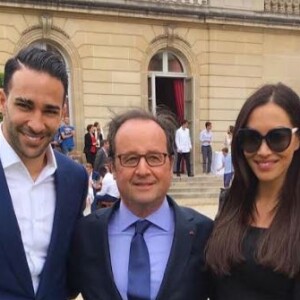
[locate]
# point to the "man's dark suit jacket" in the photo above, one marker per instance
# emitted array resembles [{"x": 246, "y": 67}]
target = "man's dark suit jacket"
[
  {"x": 90, "y": 270},
  {"x": 15, "y": 280},
  {"x": 100, "y": 160}
]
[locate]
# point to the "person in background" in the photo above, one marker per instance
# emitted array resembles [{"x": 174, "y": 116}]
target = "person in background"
[
  {"x": 98, "y": 135},
  {"x": 56, "y": 141},
  {"x": 101, "y": 155},
  {"x": 227, "y": 166},
  {"x": 253, "y": 252},
  {"x": 228, "y": 138},
  {"x": 206, "y": 150},
  {"x": 109, "y": 192},
  {"x": 183, "y": 147},
  {"x": 42, "y": 191},
  {"x": 170, "y": 239},
  {"x": 94, "y": 185},
  {"x": 90, "y": 144},
  {"x": 67, "y": 133}
]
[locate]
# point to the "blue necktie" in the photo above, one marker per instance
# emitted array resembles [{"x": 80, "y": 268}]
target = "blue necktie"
[{"x": 139, "y": 265}]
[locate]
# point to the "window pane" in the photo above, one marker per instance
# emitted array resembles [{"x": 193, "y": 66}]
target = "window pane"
[
  {"x": 174, "y": 64},
  {"x": 156, "y": 63}
]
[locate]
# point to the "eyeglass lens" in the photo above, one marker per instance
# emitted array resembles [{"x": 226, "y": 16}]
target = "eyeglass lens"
[
  {"x": 152, "y": 159},
  {"x": 277, "y": 139}
]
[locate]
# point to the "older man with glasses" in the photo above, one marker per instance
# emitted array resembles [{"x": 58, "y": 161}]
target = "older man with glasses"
[{"x": 145, "y": 246}]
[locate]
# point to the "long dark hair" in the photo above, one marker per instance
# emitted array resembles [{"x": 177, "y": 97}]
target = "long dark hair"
[{"x": 279, "y": 246}]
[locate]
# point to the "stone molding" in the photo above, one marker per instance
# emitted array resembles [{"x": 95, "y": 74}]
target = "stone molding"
[{"x": 282, "y": 6}]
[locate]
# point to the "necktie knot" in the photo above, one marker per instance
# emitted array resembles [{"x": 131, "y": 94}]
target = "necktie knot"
[{"x": 141, "y": 226}]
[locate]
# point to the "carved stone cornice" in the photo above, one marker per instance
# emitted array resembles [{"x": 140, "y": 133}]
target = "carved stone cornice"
[
  {"x": 46, "y": 26},
  {"x": 287, "y": 7}
]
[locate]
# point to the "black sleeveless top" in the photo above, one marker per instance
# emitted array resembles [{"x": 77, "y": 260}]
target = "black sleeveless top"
[{"x": 250, "y": 281}]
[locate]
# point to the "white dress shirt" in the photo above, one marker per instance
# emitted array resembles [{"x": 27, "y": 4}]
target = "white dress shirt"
[
  {"x": 183, "y": 140},
  {"x": 109, "y": 186},
  {"x": 205, "y": 137},
  {"x": 33, "y": 203}
]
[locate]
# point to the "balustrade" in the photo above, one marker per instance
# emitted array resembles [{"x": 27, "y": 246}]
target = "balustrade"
[
  {"x": 180, "y": 2},
  {"x": 282, "y": 6}
]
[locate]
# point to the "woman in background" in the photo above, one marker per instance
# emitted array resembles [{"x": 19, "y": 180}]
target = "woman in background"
[
  {"x": 228, "y": 137},
  {"x": 90, "y": 144},
  {"x": 254, "y": 250}
]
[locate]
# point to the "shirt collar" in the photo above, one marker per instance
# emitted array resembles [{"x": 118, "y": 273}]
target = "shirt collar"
[
  {"x": 161, "y": 218},
  {"x": 9, "y": 157}
]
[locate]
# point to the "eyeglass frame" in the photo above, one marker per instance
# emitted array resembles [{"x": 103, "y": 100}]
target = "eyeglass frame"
[
  {"x": 119, "y": 156},
  {"x": 265, "y": 137}
]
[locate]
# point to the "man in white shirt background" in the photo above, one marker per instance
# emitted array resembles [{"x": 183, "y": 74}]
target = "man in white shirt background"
[
  {"x": 183, "y": 146},
  {"x": 205, "y": 140},
  {"x": 109, "y": 192}
]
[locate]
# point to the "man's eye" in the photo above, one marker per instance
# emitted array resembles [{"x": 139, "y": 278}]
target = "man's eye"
[
  {"x": 23, "y": 105},
  {"x": 153, "y": 158},
  {"x": 52, "y": 112},
  {"x": 131, "y": 159}
]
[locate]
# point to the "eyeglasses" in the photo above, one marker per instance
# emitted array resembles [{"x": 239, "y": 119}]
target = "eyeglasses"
[
  {"x": 131, "y": 160},
  {"x": 277, "y": 139}
]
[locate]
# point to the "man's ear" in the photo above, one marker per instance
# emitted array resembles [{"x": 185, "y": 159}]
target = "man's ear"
[
  {"x": 64, "y": 111},
  {"x": 3, "y": 100},
  {"x": 172, "y": 161},
  {"x": 113, "y": 169}
]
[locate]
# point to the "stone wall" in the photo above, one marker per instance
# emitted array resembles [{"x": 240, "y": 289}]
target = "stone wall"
[{"x": 108, "y": 53}]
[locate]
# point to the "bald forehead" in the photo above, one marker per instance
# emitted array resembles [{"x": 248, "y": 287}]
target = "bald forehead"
[{"x": 140, "y": 129}]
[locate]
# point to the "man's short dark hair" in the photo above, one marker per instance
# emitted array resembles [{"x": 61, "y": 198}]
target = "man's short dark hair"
[
  {"x": 39, "y": 60},
  {"x": 208, "y": 123},
  {"x": 163, "y": 119}
]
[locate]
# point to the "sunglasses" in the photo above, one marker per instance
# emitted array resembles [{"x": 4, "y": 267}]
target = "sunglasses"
[{"x": 277, "y": 139}]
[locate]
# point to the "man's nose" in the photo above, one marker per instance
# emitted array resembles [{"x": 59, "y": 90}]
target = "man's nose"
[{"x": 36, "y": 122}]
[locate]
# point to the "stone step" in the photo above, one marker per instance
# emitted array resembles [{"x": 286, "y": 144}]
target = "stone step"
[
  {"x": 197, "y": 201},
  {"x": 195, "y": 195},
  {"x": 196, "y": 184},
  {"x": 198, "y": 179},
  {"x": 200, "y": 192},
  {"x": 207, "y": 210},
  {"x": 187, "y": 189}
]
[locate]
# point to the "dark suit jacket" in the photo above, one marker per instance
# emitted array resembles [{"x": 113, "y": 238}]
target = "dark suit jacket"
[
  {"x": 90, "y": 268},
  {"x": 100, "y": 160},
  {"x": 15, "y": 279},
  {"x": 88, "y": 143}
]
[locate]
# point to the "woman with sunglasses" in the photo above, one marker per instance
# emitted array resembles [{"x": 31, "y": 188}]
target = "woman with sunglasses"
[{"x": 254, "y": 250}]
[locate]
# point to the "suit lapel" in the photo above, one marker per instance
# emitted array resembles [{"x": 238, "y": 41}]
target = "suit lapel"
[
  {"x": 181, "y": 248},
  {"x": 64, "y": 210},
  {"x": 10, "y": 237},
  {"x": 102, "y": 246}
]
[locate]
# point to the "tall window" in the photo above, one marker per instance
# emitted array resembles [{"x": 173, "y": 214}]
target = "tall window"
[
  {"x": 166, "y": 86},
  {"x": 165, "y": 62}
]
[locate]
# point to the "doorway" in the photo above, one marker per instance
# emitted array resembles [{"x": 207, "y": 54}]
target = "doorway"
[{"x": 170, "y": 88}]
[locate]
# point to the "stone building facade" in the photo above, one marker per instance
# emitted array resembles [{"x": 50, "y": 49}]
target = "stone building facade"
[{"x": 138, "y": 53}]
